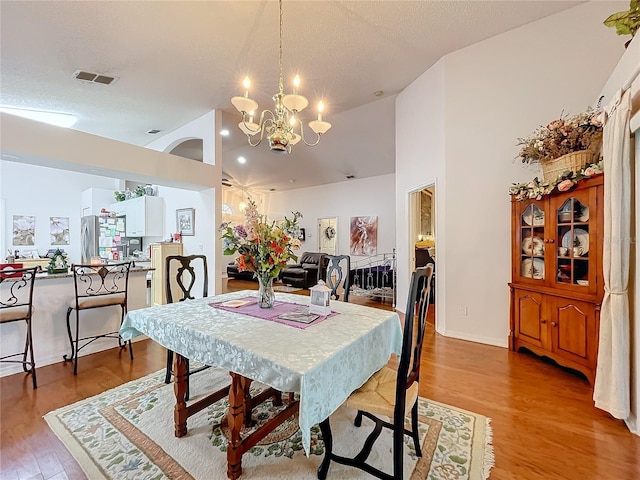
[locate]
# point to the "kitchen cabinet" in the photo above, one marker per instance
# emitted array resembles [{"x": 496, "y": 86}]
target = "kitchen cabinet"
[
  {"x": 95, "y": 199},
  {"x": 557, "y": 285},
  {"x": 159, "y": 252},
  {"x": 145, "y": 216}
]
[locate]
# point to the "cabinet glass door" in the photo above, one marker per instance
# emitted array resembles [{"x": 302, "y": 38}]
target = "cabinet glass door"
[
  {"x": 572, "y": 253},
  {"x": 532, "y": 251}
]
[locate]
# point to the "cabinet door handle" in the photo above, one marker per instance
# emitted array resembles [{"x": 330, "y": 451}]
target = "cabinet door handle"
[
  {"x": 543, "y": 321},
  {"x": 551, "y": 240},
  {"x": 546, "y": 240},
  {"x": 554, "y": 324}
]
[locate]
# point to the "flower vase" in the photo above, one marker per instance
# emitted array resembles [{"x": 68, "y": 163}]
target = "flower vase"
[{"x": 266, "y": 295}]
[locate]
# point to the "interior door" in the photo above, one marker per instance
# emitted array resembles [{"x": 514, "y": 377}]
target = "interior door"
[{"x": 327, "y": 235}]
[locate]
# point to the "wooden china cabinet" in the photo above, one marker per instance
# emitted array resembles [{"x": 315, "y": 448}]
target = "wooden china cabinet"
[{"x": 557, "y": 285}]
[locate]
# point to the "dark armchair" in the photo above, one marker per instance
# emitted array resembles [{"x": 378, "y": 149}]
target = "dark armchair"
[{"x": 311, "y": 268}]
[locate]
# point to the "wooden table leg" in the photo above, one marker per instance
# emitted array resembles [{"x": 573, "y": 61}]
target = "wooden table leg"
[
  {"x": 248, "y": 404},
  {"x": 180, "y": 388},
  {"x": 235, "y": 418}
]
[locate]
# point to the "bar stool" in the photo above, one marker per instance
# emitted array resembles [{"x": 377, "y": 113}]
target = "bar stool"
[
  {"x": 16, "y": 305},
  {"x": 185, "y": 279},
  {"x": 97, "y": 286}
]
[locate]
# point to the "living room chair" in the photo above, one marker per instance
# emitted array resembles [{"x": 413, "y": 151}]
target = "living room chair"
[
  {"x": 97, "y": 286},
  {"x": 388, "y": 392},
  {"x": 185, "y": 280},
  {"x": 337, "y": 275},
  {"x": 16, "y": 305}
]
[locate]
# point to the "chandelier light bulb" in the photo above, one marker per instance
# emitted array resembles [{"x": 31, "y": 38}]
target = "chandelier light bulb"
[
  {"x": 320, "y": 110},
  {"x": 246, "y": 83},
  {"x": 292, "y": 120},
  {"x": 296, "y": 83}
]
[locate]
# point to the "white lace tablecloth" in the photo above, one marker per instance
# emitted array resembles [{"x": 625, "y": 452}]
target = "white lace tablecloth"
[{"x": 323, "y": 363}]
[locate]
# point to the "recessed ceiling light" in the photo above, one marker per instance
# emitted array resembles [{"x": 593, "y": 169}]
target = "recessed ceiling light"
[
  {"x": 272, "y": 189},
  {"x": 378, "y": 93},
  {"x": 155, "y": 131},
  {"x": 58, "y": 119},
  {"x": 351, "y": 176},
  {"x": 224, "y": 132},
  {"x": 293, "y": 180},
  {"x": 242, "y": 160}
]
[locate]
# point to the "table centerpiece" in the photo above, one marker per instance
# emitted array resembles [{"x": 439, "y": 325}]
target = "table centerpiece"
[{"x": 264, "y": 247}]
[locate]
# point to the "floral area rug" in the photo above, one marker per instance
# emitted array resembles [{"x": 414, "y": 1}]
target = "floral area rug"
[{"x": 127, "y": 433}]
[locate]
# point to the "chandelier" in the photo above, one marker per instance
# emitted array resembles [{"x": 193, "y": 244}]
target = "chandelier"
[{"x": 279, "y": 125}]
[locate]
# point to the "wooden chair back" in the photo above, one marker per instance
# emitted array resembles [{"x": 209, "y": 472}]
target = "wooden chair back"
[
  {"x": 337, "y": 276},
  {"x": 186, "y": 276}
]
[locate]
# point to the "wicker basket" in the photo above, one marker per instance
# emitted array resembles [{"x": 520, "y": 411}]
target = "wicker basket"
[{"x": 571, "y": 162}]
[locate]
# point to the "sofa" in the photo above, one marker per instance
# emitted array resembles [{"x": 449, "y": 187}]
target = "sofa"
[
  {"x": 233, "y": 272},
  {"x": 311, "y": 267}
]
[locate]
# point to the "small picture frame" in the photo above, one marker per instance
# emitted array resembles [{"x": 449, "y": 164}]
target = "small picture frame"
[
  {"x": 302, "y": 235},
  {"x": 186, "y": 221}
]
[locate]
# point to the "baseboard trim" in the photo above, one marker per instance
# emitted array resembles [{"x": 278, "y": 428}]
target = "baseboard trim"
[{"x": 475, "y": 338}]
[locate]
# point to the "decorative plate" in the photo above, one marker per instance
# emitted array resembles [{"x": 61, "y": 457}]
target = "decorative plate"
[
  {"x": 538, "y": 217},
  {"x": 533, "y": 270},
  {"x": 584, "y": 215},
  {"x": 531, "y": 244},
  {"x": 577, "y": 238}
]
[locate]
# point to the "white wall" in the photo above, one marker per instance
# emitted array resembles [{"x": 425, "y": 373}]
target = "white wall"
[
  {"x": 206, "y": 202},
  {"x": 353, "y": 198},
  {"x": 495, "y": 91},
  {"x": 45, "y": 192},
  {"x": 420, "y": 161}
]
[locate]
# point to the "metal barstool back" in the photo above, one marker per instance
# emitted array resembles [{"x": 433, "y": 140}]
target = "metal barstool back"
[
  {"x": 97, "y": 286},
  {"x": 16, "y": 305}
]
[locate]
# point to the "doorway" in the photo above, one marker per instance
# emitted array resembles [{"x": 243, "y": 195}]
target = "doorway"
[
  {"x": 327, "y": 234},
  {"x": 422, "y": 232}
]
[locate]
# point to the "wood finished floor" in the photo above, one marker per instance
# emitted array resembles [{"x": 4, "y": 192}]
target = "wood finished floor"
[{"x": 544, "y": 424}]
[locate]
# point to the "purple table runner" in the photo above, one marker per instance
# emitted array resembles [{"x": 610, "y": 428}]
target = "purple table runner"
[{"x": 279, "y": 307}]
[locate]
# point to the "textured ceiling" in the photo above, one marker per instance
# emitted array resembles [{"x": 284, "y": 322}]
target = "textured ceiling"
[{"x": 178, "y": 60}]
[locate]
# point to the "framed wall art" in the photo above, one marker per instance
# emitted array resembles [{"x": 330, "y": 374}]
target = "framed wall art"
[
  {"x": 363, "y": 235},
  {"x": 186, "y": 221}
]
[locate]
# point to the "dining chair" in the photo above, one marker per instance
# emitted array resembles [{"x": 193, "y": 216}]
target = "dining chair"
[
  {"x": 97, "y": 286},
  {"x": 16, "y": 305},
  {"x": 388, "y": 392},
  {"x": 338, "y": 267},
  {"x": 184, "y": 280}
]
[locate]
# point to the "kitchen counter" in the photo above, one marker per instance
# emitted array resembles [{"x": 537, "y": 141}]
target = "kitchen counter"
[{"x": 52, "y": 295}]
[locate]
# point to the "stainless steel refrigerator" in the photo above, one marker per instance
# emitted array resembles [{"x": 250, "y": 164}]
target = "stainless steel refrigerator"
[{"x": 103, "y": 236}]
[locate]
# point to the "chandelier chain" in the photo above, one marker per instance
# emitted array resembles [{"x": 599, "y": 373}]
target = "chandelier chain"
[{"x": 281, "y": 84}]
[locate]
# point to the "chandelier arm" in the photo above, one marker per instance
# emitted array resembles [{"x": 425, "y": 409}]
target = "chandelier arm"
[
  {"x": 281, "y": 83},
  {"x": 304, "y": 140}
]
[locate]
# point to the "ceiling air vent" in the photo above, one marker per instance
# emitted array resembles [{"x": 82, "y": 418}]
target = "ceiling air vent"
[
  {"x": 154, "y": 132},
  {"x": 94, "y": 77}
]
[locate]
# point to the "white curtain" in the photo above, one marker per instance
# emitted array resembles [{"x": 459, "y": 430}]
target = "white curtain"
[{"x": 612, "y": 387}]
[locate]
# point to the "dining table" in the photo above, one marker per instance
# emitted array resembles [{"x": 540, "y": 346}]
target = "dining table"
[{"x": 319, "y": 363}]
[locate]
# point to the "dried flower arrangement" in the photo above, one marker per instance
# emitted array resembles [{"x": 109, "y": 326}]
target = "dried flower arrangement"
[{"x": 562, "y": 136}]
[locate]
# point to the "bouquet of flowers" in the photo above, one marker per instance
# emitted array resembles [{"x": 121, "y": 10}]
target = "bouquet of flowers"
[
  {"x": 564, "y": 135},
  {"x": 264, "y": 247}
]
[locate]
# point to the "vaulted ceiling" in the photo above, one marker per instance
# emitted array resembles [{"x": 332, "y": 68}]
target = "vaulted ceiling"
[{"x": 175, "y": 61}]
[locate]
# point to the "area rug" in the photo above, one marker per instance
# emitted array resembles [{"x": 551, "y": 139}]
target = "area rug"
[
  {"x": 127, "y": 433},
  {"x": 286, "y": 288}
]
